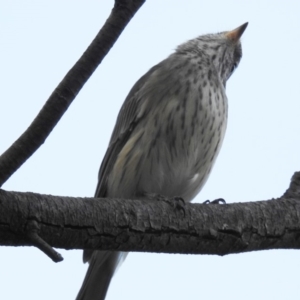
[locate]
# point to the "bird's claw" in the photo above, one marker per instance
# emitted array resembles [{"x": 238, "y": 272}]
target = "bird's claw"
[{"x": 216, "y": 201}]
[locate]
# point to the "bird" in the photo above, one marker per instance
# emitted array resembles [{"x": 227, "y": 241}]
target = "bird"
[{"x": 167, "y": 136}]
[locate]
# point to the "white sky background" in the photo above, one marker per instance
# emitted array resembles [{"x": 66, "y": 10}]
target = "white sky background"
[{"x": 41, "y": 40}]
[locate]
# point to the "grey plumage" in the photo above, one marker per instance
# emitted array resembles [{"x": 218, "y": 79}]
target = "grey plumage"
[{"x": 167, "y": 136}]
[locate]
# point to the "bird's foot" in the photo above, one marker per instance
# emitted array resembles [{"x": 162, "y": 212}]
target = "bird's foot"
[
  {"x": 154, "y": 196},
  {"x": 216, "y": 201},
  {"x": 175, "y": 202}
]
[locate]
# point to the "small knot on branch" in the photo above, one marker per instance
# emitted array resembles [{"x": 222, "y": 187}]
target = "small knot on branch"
[{"x": 294, "y": 188}]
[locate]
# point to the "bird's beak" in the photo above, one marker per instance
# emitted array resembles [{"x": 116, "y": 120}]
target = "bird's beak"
[{"x": 236, "y": 34}]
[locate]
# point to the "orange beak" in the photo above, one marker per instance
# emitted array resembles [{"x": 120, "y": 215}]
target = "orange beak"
[{"x": 236, "y": 34}]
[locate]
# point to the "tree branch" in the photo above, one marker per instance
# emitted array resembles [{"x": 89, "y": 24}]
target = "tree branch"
[
  {"x": 168, "y": 226},
  {"x": 67, "y": 90}
]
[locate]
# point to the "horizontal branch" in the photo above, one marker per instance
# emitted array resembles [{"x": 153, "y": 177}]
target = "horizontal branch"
[{"x": 168, "y": 226}]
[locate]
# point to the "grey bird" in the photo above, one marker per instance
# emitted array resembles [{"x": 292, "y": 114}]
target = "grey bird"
[{"x": 167, "y": 136}]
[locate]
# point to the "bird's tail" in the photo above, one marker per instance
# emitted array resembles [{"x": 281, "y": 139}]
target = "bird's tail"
[{"x": 99, "y": 274}]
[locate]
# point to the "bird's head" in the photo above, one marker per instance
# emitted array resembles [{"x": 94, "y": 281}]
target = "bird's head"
[{"x": 222, "y": 49}]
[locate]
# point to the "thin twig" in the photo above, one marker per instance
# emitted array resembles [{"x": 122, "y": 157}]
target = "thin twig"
[
  {"x": 36, "y": 240},
  {"x": 67, "y": 90}
]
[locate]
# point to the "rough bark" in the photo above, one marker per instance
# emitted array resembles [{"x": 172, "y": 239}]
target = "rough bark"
[{"x": 169, "y": 226}]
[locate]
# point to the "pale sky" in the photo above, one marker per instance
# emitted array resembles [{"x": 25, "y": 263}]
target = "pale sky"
[{"x": 41, "y": 40}]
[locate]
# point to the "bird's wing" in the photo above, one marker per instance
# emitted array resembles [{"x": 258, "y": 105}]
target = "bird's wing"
[{"x": 127, "y": 120}]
